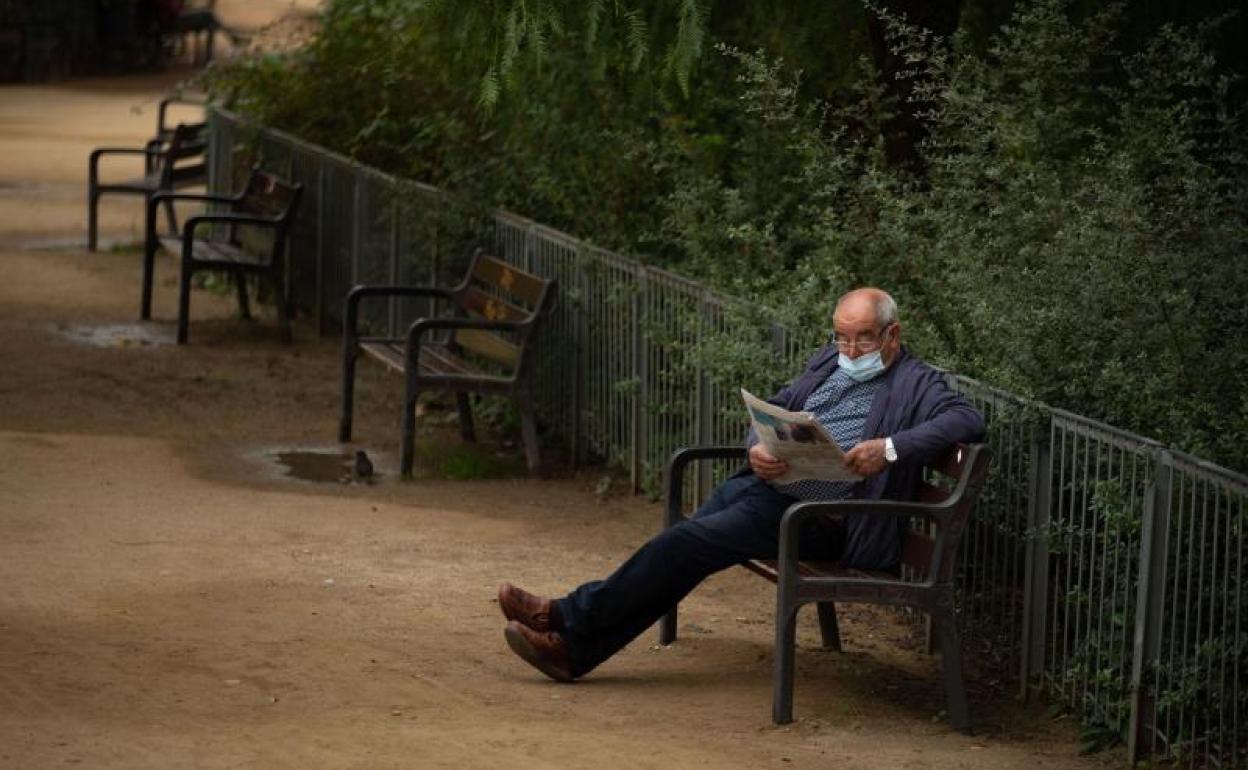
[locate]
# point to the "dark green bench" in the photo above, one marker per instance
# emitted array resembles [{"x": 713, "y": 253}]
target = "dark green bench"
[
  {"x": 487, "y": 347},
  {"x": 929, "y": 555},
  {"x": 168, "y": 164},
  {"x": 243, "y": 234}
]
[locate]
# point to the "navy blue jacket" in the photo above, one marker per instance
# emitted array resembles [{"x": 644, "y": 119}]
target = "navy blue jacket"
[{"x": 925, "y": 418}]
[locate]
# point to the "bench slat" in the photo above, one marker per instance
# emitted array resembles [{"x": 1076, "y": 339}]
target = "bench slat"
[
  {"x": 492, "y": 308},
  {"x": 930, "y": 493},
  {"x": 389, "y": 353},
  {"x": 435, "y": 361},
  {"x": 217, "y": 252},
  {"x": 916, "y": 551},
  {"x": 525, "y": 287},
  {"x": 489, "y": 345},
  {"x": 767, "y": 568}
]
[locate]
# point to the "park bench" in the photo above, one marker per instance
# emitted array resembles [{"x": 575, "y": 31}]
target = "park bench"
[
  {"x": 244, "y": 234},
  {"x": 165, "y": 125},
  {"x": 195, "y": 28},
  {"x": 929, "y": 554},
  {"x": 486, "y": 347},
  {"x": 168, "y": 165}
]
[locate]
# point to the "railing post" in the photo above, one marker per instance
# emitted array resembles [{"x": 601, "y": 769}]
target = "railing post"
[
  {"x": 357, "y": 206},
  {"x": 393, "y": 321},
  {"x": 704, "y": 474},
  {"x": 640, "y": 373},
  {"x": 580, "y": 324},
  {"x": 1036, "y": 566},
  {"x": 320, "y": 248},
  {"x": 1154, "y": 531}
]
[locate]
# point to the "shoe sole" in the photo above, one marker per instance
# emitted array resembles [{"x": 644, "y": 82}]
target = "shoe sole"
[{"x": 521, "y": 646}]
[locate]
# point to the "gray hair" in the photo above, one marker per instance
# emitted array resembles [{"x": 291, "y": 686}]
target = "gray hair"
[{"x": 885, "y": 309}]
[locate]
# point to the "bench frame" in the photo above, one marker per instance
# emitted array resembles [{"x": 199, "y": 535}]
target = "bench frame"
[
  {"x": 934, "y": 559},
  {"x": 498, "y": 315},
  {"x": 271, "y": 266},
  {"x": 165, "y": 169}
]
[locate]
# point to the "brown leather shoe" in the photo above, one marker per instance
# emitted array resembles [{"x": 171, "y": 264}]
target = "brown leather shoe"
[
  {"x": 520, "y": 605},
  {"x": 547, "y": 652}
]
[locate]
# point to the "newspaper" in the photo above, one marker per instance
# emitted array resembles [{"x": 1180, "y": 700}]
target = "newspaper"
[{"x": 798, "y": 439}]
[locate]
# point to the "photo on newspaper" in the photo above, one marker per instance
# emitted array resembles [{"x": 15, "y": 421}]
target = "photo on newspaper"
[{"x": 798, "y": 439}]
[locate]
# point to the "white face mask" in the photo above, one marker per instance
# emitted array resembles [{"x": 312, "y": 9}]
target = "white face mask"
[{"x": 862, "y": 368}]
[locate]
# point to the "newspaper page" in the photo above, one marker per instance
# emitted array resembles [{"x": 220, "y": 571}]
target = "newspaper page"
[{"x": 798, "y": 439}]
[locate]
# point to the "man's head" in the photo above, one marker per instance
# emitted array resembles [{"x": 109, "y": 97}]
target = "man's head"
[{"x": 865, "y": 321}]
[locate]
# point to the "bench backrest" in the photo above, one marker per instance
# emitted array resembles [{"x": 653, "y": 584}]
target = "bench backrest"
[
  {"x": 183, "y": 160},
  {"x": 184, "y": 106},
  {"x": 497, "y": 291},
  {"x": 954, "y": 481},
  {"x": 266, "y": 195}
]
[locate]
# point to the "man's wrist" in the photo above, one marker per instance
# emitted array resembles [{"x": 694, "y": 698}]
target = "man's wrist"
[{"x": 890, "y": 451}]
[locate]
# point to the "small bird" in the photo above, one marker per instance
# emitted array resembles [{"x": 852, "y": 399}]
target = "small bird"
[{"x": 363, "y": 467}]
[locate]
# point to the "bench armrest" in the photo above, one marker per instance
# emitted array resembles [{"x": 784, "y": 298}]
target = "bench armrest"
[
  {"x": 676, "y": 465},
  {"x": 798, "y": 513},
  {"x": 350, "y": 323},
  {"x": 150, "y": 154},
  {"x": 161, "y": 197}
]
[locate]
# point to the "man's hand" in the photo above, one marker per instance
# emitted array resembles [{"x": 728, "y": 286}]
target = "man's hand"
[
  {"x": 867, "y": 457},
  {"x": 767, "y": 467}
]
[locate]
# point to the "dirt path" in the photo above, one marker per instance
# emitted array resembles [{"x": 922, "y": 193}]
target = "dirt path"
[{"x": 168, "y": 599}]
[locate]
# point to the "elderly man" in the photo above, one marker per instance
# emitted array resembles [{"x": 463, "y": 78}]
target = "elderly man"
[{"x": 891, "y": 412}]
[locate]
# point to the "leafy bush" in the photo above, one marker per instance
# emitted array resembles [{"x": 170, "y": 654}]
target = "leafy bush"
[{"x": 1076, "y": 230}]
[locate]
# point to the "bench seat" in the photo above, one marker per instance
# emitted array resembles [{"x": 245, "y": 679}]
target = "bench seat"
[
  {"x": 436, "y": 360},
  {"x": 213, "y": 253}
]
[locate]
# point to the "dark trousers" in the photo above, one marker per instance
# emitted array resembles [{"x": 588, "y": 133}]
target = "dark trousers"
[{"x": 740, "y": 521}]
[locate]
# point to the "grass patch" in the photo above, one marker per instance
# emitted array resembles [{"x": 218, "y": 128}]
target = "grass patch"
[{"x": 465, "y": 462}]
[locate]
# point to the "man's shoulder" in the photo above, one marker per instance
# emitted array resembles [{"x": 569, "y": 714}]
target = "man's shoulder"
[{"x": 909, "y": 365}]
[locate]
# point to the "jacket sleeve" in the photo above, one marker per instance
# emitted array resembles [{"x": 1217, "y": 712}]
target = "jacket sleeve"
[{"x": 942, "y": 418}]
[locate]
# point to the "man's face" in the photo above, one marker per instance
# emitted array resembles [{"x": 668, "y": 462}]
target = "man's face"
[{"x": 856, "y": 333}]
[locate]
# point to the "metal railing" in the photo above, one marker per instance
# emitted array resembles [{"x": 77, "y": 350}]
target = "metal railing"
[{"x": 1107, "y": 571}]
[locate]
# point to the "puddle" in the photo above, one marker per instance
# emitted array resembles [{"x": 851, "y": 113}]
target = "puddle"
[
  {"x": 118, "y": 335},
  {"x": 335, "y": 466}
]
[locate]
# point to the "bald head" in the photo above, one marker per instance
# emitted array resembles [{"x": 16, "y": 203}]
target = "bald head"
[
  {"x": 868, "y": 300},
  {"x": 865, "y": 315}
]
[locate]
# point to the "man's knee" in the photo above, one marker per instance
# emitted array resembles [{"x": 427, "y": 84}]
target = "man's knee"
[{"x": 725, "y": 495}]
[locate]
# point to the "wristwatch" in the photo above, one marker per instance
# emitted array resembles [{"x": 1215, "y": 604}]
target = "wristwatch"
[{"x": 890, "y": 451}]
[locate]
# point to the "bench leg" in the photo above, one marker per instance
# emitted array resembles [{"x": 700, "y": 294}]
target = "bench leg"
[
  {"x": 171, "y": 216},
  {"x": 828, "y": 626},
  {"x": 782, "y": 687},
  {"x": 281, "y": 297},
  {"x": 528, "y": 431},
  {"x": 184, "y": 298},
  {"x": 349, "y": 355},
  {"x": 407, "y": 448},
  {"x": 465, "y": 417},
  {"x": 93, "y": 204},
  {"x": 149, "y": 266},
  {"x": 667, "y": 627},
  {"x": 244, "y": 305},
  {"x": 951, "y": 669}
]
